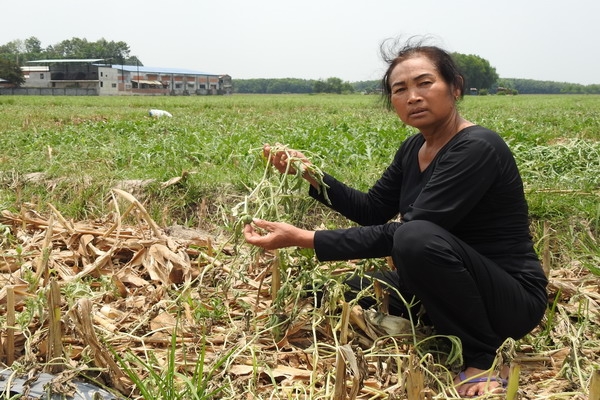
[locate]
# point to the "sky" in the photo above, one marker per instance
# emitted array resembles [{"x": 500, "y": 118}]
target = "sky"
[{"x": 318, "y": 39}]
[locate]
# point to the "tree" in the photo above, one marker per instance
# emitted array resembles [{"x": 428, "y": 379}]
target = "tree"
[
  {"x": 112, "y": 51},
  {"x": 332, "y": 85},
  {"x": 367, "y": 86},
  {"x": 11, "y": 71},
  {"x": 33, "y": 45},
  {"x": 116, "y": 52},
  {"x": 33, "y": 50},
  {"x": 12, "y": 50},
  {"x": 477, "y": 71},
  {"x": 133, "y": 60}
]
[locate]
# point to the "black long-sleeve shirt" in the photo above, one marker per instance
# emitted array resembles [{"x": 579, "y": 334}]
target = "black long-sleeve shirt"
[{"x": 472, "y": 188}]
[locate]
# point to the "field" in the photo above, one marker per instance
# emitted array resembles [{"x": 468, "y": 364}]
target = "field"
[{"x": 122, "y": 261}]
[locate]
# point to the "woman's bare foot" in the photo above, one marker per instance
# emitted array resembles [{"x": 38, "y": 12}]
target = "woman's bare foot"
[{"x": 476, "y": 382}]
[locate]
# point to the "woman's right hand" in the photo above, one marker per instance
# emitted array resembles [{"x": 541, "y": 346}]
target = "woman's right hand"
[{"x": 281, "y": 157}]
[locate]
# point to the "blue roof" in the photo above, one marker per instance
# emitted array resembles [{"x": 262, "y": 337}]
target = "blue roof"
[{"x": 161, "y": 70}]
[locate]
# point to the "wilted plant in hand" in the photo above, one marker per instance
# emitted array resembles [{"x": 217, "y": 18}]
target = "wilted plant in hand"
[{"x": 275, "y": 197}]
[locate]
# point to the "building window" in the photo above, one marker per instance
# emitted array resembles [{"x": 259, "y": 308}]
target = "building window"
[
  {"x": 41, "y": 76},
  {"x": 101, "y": 84},
  {"x": 114, "y": 85}
]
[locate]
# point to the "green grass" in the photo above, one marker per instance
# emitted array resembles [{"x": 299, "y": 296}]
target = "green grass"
[
  {"x": 69, "y": 152},
  {"x": 84, "y": 146}
]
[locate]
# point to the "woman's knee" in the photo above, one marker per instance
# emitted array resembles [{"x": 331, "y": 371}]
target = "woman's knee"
[
  {"x": 420, "y": 246},
  {"x": 411, "y": 239}
]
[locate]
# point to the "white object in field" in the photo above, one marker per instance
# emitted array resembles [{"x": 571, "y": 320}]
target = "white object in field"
[{"x": 159, "y": 113}]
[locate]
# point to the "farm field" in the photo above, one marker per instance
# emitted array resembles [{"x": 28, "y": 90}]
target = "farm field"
[{"x": 122, "y": 261}]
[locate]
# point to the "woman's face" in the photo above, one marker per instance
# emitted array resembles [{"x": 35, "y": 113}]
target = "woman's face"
[{"x": 420, "y": 95}]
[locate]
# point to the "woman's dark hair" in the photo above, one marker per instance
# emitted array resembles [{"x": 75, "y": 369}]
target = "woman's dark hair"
[{"x": 442, "y": 60}]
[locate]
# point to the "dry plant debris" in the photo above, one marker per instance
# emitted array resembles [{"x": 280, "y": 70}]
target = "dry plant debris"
[{"x": 92, "y": 299}]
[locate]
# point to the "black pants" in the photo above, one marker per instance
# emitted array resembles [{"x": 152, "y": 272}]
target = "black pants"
[{"x": 464, "y": 293}]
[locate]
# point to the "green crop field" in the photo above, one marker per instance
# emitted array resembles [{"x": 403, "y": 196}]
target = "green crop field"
[{"x": 123, "y": 262}]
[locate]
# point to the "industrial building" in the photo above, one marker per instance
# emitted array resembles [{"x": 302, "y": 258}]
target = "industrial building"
[{"x": 96, "y": 77}]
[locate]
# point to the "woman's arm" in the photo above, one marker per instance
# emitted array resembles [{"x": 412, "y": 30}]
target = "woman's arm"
[
  {"x": 329, "y": 245},
  {"x": 377, "y": 206}
]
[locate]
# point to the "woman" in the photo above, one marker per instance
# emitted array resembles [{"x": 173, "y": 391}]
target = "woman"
[{"x": 462, "y": 246}]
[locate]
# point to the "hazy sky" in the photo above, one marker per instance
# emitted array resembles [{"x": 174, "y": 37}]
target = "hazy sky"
[{"x": 318, "y": 39}]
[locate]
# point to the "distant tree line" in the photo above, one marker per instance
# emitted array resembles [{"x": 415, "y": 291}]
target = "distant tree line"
[
  {"x": 501, "y": 86},
  {"x": 531, "y": 86},
  {"x": 478, "y": 72},
  {"x": 272, "y": 86},
  {"x": 21, "y": 51},
  {"x": 292, "y": 85}
]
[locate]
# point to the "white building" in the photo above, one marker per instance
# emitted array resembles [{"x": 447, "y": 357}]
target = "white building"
[{"x": 95, "y": 77}]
